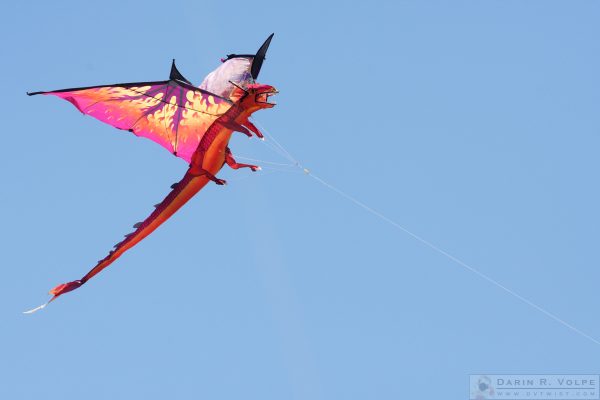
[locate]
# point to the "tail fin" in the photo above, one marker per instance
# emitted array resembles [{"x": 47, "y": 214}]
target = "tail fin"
[{"x": 56, "y": 292}]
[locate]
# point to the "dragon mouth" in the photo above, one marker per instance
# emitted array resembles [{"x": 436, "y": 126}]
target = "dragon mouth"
[{"x": 264, "y": 97}]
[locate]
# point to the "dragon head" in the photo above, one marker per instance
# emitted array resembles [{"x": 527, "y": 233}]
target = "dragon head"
[
  {"x": 256, "y": 97},
  {"x": 261, "y": 94}
]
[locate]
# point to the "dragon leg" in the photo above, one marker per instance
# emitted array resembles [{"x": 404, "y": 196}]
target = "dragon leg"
[
  {"x": 235, "y": 165},
  {"x": 197, "y": 170},
  {"x": 234, "y": 126},
  {"x": 253, "y": 128}
]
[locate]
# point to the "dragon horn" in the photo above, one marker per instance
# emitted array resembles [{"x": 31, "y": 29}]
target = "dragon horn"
[{"x": 260, "y": 57}]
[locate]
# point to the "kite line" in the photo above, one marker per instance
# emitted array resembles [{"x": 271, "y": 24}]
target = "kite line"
[{"x": 294, "y": 162}]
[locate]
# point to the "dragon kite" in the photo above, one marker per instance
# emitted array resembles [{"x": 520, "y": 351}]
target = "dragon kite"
[{"x": 193, "y": 123}]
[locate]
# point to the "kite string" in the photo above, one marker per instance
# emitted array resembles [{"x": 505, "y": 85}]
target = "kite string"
[
  {"x": 430, "y": 245},
  {"x": 268, "y": 167},
  {"x": 266, "y": 162},
  {"x": 276, "y": 145},
  {"x": 453, "y": 258}
]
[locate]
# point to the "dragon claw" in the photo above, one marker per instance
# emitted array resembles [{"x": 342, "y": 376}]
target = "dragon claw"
[{"x": 253, "y": 128}]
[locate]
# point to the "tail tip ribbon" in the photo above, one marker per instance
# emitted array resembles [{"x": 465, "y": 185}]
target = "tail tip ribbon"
[{"x": 56, "y": 292}]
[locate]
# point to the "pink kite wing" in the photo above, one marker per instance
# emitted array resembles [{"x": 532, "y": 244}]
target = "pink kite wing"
[{"x": 172, "y": 113}]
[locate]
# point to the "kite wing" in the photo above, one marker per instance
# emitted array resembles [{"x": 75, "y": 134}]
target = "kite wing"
[
  {"x": 237, "y": 69},
  {"x": 172, "y": 113}
]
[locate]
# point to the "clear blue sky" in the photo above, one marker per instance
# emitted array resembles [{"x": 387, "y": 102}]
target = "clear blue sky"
[{"x": 474, "y": 124}]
